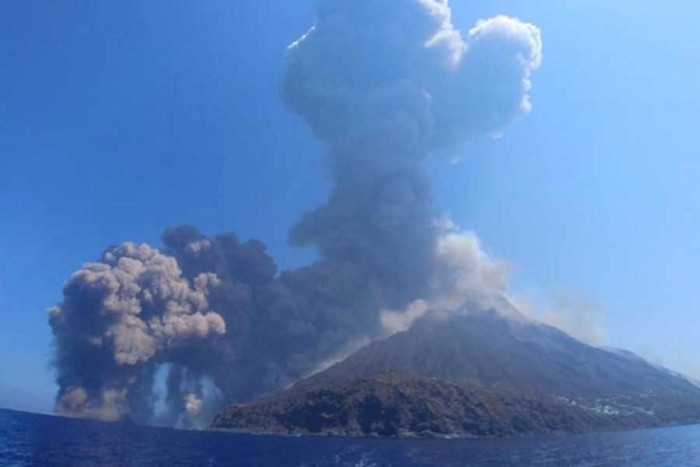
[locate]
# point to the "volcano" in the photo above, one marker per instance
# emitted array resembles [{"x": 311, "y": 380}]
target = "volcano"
[{"x": 485, "y": 371}]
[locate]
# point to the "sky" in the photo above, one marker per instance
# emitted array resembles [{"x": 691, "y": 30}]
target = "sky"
[{"x": 121, "y": 119}]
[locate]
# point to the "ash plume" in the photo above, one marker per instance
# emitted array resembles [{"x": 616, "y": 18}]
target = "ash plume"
[
  {"x": 385, "y": 84},
  {"x": 118, "y": 317}
]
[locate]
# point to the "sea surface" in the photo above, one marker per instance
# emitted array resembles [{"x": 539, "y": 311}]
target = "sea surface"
[{"x": 39, "y": 440}]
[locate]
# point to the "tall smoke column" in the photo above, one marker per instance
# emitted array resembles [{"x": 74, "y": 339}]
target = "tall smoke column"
[{"x": 384, "y": 83}]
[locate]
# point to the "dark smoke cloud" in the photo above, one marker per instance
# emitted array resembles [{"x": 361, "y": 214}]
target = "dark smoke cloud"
[
  {"x": 117, "y": 318},
  {"x": 384, "y": 83}
]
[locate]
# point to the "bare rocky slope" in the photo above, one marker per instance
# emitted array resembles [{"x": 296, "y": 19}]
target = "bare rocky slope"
[{"x": 481, "y": 373}]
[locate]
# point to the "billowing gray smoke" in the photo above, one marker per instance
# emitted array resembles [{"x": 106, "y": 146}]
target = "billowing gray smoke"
[{"x": 384, "y": 83}]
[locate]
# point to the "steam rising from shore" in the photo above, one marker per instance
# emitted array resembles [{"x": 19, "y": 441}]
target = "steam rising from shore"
[{"x": 384, "y": 84}]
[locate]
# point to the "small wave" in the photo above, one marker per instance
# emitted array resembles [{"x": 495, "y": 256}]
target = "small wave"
[{"x": 350, "y": 458}]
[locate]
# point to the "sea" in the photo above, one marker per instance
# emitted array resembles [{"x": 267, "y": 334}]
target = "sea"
[{"x": 41, "y": 440}]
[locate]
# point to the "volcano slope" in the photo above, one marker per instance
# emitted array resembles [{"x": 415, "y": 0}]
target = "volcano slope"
[{"x": 487, "y": 371}]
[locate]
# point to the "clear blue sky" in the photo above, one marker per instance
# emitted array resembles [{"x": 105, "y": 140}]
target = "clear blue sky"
[{"x": 119, "y": 119}]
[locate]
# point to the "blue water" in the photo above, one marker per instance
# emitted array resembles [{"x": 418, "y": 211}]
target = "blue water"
[{"x": 36, "y": 440}]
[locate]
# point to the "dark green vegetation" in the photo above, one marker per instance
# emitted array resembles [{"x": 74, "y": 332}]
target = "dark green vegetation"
[{"x": 478, "y": 374}]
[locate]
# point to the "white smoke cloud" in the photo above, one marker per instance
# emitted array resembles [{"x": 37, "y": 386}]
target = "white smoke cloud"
[
  {"x": 491, "y": 82},
  {"x": 464, "y": 270},
  {"x": 399, "y": 321},
  {"x": 572, "y": 312},
  {"x": 522, "y": 40},
  {"x": 353, "y": 346},
  {"x": 463, "y": 273},
  {"x": 193, "y": 404},
  {"x": 693, "y": 371}
]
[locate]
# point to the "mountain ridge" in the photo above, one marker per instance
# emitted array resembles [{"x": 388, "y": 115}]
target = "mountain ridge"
[
  {"x": 501, "y": 351},
  {"x": 524, "y": 368}
]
